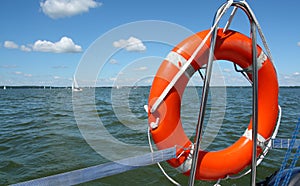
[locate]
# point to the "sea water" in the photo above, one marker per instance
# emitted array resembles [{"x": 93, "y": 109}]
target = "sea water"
[{"x": 43, "y": 131}]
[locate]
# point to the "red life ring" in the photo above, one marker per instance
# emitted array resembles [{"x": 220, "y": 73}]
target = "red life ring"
[{"x": 232, "y": 46}]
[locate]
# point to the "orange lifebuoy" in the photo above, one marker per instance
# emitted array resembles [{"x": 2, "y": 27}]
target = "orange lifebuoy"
[{"x": 232, "y": 46}]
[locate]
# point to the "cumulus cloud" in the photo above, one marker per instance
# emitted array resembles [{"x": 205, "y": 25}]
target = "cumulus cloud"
[
  {"x": 298, "y": 43},
  {"x": 67, "y": 8},
  {"x": 131, "y": 44},
  {"x": 25, "y": 48},
  {"x": 10, "y": 44},
  {"x": 65, "y": 45}
]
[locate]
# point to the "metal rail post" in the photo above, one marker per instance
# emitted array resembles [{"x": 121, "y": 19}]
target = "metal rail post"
[
  {"x": 254, "y": 104},
  {"x": 221, "y": 11}
]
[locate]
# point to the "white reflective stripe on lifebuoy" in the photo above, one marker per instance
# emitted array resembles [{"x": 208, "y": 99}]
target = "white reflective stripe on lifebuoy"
[
  {"x": 260, "y": 61},
  {"x": 187, "y": 164},
  {"x": 260, "y": 139},
  {"x": 178, "y": 60}
]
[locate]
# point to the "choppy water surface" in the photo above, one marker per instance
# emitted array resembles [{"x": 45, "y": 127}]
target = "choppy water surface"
[{"x": 39, "y": 135}]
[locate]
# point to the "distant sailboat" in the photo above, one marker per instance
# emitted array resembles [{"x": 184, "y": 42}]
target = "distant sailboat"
[
  {"x": 4, "y": 88},
  {"x": 75, "y": 86}
]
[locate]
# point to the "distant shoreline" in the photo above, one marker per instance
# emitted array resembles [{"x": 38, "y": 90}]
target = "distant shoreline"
[{"x": 60, "y": 87}]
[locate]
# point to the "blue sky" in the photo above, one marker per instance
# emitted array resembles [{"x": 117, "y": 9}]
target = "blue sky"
[{"x": 43, "y": 42}]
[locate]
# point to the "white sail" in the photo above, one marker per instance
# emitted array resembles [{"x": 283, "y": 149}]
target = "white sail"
[{"x": 75, "y": 86}]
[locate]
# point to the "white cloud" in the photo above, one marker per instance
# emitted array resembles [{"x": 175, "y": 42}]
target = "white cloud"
[
  {"x": 22, "y": 74},
  {"x": 17, "y": 72},
  {"x": 227, "y": 70},
  {"x": 28, "y": 75},
  {"x": 10, "y": 44},
  {"x": 113, "y": 61},
  {"x": 298, "y": 43},
  {"x": 25, "y": 48},
  {"x": 289, "y": 79},
  {"x": 8, "y": 66},
  {"x": 112, "y": 79},
  {"x": 131, "y": 44},
  {"x": 296, "y": 73},
  {"x": 56, "y": 77},
  {"x": 141, "y": 68},
  {"x": 60, "y": 67},
  {"x": 67, "y": 8},
  {"x": 65, "y": 45}
]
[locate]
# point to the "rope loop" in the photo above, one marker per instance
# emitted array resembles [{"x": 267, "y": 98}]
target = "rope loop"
[{"x": 287, "y": 157}]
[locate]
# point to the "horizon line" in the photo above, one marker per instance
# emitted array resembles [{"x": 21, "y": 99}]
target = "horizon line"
[{"x": 125, "y": 86}]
